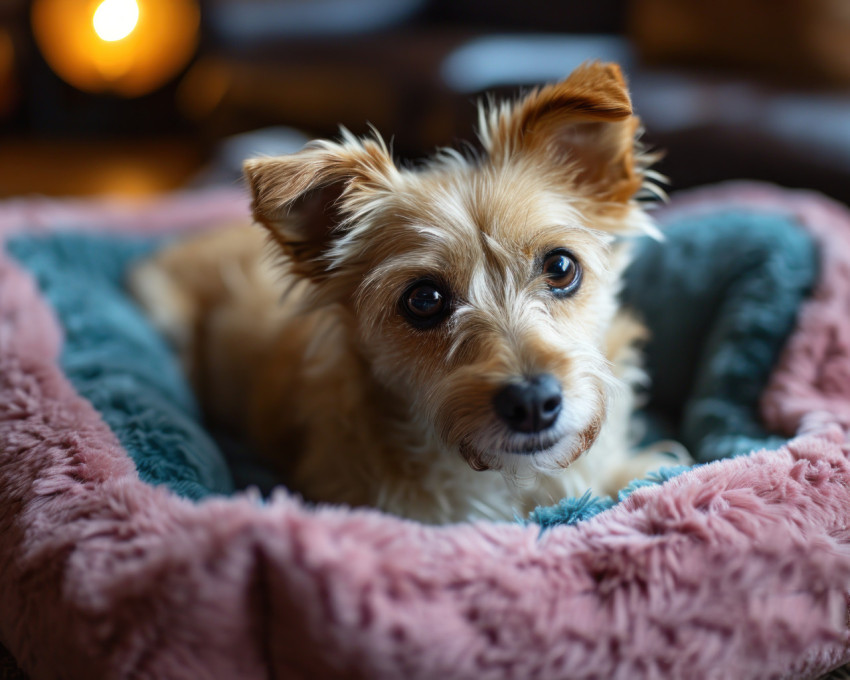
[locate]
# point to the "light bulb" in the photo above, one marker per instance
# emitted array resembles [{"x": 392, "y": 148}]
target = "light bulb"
[{"x": 115, "y": 19}]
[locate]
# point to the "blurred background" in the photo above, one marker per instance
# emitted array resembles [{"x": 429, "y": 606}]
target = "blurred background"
[{"x": 137, "y": 97}]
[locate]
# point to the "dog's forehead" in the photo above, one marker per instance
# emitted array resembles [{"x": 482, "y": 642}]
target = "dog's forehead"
[{"x": 493, "y": 215}]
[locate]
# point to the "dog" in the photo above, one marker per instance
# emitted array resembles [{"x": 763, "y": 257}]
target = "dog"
[{"x": 441, "y": 342}]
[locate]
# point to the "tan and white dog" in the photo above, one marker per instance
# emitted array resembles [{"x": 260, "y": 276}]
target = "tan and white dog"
[{"x": 443, "y": 343}]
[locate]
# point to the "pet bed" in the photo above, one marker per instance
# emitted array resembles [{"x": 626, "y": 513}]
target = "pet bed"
[{"x": 125, "y": 554}]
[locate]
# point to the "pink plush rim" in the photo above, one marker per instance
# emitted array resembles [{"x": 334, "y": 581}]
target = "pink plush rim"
[{"x": 736, "y": 569}]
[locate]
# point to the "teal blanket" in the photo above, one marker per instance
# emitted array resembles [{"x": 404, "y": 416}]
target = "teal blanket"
[{"x": 720, "y": 297}]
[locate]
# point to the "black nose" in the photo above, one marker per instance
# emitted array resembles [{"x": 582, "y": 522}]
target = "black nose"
[{"x": 529, "y": 405}]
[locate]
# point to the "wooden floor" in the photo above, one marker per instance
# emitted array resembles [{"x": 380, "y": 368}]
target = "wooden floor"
[{"x": 129, "y": 168}]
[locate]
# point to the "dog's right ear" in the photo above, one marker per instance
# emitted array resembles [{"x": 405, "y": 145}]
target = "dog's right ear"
[
  {"x": 305, "y": 198},
  {"x": 582, "y": 126}
]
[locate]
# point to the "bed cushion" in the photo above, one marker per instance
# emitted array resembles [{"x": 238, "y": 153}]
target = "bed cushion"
[{"x": 738, "y": 568}]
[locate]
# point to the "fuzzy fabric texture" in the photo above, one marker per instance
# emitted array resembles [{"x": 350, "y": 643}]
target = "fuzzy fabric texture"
[
  {"x": 736, "y": 569},
  {"x": 720, "y": 296},
  {"x": 810, "y": 387},
  {"x": 119, "y": 363}
]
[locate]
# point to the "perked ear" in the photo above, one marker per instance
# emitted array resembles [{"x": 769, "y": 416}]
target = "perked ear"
[
  {"x": 582, "y": 125},
  {"x": 305, "y": 198}
]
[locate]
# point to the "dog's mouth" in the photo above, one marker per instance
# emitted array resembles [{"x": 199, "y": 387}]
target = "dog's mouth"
[
  {"x": 532, "y": 444},
  {"x": 481, "y": 458},
  {"x": 560, "y": 445}
]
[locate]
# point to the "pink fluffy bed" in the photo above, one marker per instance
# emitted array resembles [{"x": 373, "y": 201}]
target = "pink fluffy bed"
[{"x": 737, "y": 569}]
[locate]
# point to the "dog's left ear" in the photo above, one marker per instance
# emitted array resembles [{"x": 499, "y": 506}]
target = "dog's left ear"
[
  {"x": 303, "y": 199},
  {"x": 582, "y": 126}
]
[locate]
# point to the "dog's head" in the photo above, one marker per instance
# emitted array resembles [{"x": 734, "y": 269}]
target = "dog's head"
[{"x": 480, "y": 286}]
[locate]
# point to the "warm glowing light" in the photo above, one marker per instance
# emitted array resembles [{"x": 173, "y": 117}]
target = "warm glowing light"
[
  {"x": 124, "y": 47},
  {"x": 115, "y": 19}
]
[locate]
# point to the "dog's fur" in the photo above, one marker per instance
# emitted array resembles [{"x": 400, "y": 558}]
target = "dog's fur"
[{"x": 311, "y": 356}]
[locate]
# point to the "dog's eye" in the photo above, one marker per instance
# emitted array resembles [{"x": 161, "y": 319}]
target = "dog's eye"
[
  {"x": 563, "y": 272},
  {"x": 424, "y": 304}
]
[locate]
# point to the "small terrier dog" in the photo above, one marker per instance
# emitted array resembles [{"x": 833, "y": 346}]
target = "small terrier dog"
[{"x": 443, "y": 343}]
